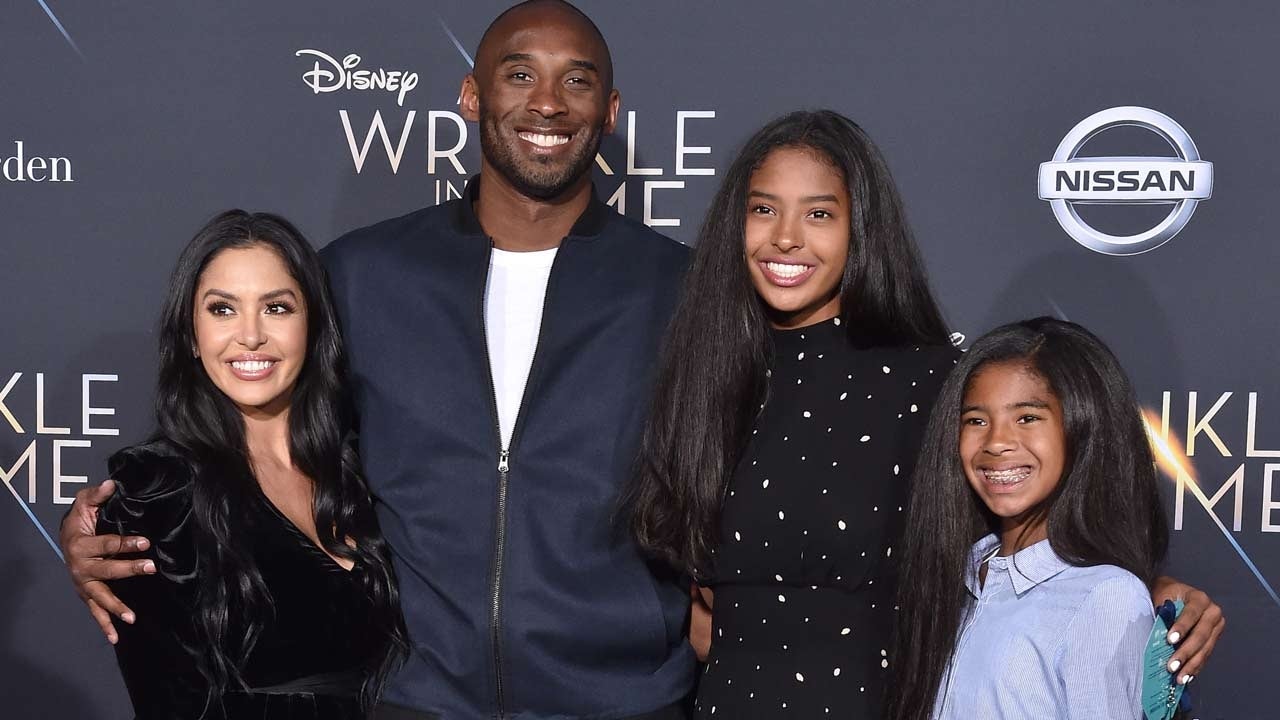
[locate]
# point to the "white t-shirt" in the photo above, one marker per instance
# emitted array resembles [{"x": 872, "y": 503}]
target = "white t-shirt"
[{"x": 513, "y": 301}]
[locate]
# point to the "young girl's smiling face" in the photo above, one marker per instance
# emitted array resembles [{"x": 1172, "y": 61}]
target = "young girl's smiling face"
[{"x": 1012, "y": 446}]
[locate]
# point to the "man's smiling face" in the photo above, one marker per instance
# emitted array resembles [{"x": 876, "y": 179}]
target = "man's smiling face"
[{"x": 542, "y": 94}]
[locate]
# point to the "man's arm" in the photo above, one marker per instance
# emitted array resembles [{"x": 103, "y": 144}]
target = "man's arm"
[
  {"x": 1197, "y": 630},
  {"x": 91, "y": 558}
]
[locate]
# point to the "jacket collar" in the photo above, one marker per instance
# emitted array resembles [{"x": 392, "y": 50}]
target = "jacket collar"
[
  {"x": 1027, "y": 568},
  {"x": 589, "y": 224}
]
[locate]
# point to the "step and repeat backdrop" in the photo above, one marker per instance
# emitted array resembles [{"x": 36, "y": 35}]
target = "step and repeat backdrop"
[{"x": 1108, "y": 162}]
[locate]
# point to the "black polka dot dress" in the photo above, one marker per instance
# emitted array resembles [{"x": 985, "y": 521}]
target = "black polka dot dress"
[{"x": 804, "y": 571}]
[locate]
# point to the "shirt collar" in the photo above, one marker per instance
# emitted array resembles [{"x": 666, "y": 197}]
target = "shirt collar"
[
  {"x": 977, "y": 555},
  {"x": 588, "y": 225},
  {"x": 1027, "y": 568}
]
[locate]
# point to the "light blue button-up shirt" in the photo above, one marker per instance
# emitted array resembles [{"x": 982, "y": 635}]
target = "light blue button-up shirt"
[{"x": 1044, "y": 639}]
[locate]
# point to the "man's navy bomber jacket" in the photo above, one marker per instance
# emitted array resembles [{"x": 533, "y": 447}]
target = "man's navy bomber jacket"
[{"x": 522, "y": 597}]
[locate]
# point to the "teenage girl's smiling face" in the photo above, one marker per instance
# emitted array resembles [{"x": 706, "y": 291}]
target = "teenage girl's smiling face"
[
  {"x": 797, "y": 236},
  {"x": 1012, "y": 446},
  {"x": 251, "y": 328}
]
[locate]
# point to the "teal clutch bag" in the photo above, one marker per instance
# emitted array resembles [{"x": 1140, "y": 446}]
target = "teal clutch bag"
[{"x": 1161, "y": 693}]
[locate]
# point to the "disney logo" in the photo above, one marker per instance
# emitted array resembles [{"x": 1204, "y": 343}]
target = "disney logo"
[{"x": 334, "y": 75}]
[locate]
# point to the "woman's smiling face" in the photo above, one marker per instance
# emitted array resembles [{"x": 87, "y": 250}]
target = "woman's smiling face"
[{"x": 251, "y": 328}]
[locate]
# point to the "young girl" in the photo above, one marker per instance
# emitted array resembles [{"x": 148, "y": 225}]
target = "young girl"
[{"x": 1036, "y": 449}]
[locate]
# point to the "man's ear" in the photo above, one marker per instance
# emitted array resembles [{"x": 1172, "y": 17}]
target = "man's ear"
[
  {"x": 611, "y": 113},
  {"x": 469, "y": 99}
]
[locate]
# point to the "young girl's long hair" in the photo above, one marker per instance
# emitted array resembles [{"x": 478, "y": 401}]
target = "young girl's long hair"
[
  {"x": 711, "y": 378},
  {"x": 208, "y": 431},
  {"x": 1106, "y": 508}
]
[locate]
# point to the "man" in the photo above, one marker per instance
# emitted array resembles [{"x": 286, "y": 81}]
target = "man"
[{"x": 521, "y": 597}]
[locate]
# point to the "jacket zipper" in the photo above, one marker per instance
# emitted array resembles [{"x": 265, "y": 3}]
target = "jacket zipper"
[{"x": 504, "y": 470}]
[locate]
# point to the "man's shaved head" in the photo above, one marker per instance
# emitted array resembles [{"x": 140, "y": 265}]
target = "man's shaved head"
[
  {"x": 533, "y": 13},
  {"x": 542, "y": 92}
]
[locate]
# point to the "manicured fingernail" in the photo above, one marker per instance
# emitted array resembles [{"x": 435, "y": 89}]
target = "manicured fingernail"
[
  {"x": 1186, "y": 679},
  {"x": 128, "y": 617},
  {"x": 143, "y": 543},
  {"x": 1174, "y": 665},
  {"x": 112, "y": 639},
  {"x": 149, "y": 566},
  {"x": 1174, "y": 637}
]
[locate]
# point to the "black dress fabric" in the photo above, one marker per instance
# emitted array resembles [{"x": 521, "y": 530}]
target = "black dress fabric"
[
  {"x": 314, "y": 651},
  {"x": 804, "y": 576}
]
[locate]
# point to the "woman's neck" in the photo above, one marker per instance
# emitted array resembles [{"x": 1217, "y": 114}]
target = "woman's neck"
[{"x": 267, "y": 440}]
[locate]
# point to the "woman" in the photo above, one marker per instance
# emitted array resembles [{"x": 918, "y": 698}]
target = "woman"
[
  {"x": 1036, "y": 450},
  {"x": 274, "y": 596},
  {"x": 793, "y": 392}
]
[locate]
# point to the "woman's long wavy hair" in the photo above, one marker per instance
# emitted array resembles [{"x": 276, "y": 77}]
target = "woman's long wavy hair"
[
  {"x": 1106, "y": 508},
  {"x": 711, "y": 378},
  {"x": 208, "y": 430}
]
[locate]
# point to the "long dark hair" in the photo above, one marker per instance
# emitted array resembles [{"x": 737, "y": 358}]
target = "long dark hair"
[
  {"x": 711, "y": 380},
  {"x": 208, "y": 431},
  {"x": 1106, "y": 508}
]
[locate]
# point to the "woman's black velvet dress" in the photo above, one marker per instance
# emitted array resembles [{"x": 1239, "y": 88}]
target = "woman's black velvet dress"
[{"x": 313, "y": 653}]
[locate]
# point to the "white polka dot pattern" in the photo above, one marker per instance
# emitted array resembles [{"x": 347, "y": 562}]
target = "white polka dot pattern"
[{"x": 806, "y": 604}]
